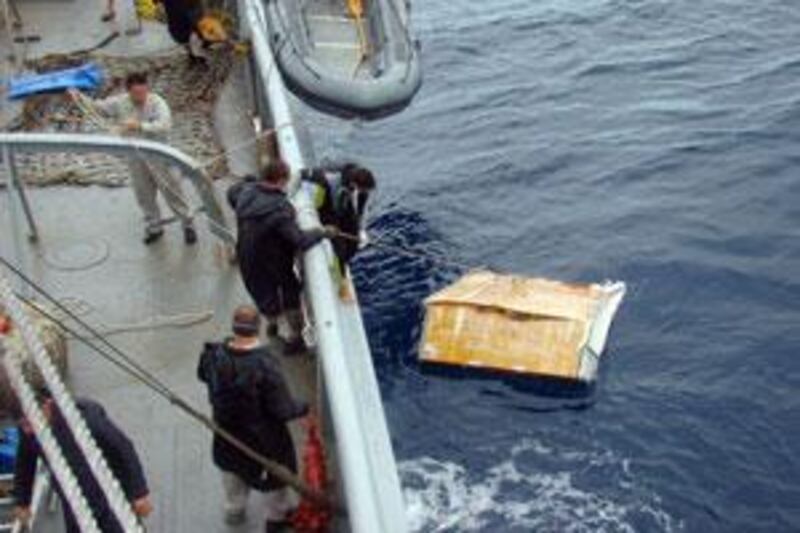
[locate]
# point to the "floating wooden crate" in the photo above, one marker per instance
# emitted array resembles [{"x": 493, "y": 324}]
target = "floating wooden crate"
[{"x": 522, "y": 325}]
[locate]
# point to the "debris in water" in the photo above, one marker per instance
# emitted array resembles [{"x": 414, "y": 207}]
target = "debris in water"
[{"x": 521, "y": 325}]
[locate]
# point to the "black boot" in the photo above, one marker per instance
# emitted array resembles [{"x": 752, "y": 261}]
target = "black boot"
[
  {"x": 189, "y": 235},
  {"x": 153, "y": 236},
  {"x": 295, "y": 347}
]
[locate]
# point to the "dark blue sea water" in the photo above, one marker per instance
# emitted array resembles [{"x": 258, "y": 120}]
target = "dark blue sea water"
[{"x": 655, "y": 142}]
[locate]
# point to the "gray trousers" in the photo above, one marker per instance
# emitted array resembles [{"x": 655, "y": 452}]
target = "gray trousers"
[
  {"x": 293, "y": 322},
  {"x": 149, "y": 177},
  {"x": 277, "y": 503}
]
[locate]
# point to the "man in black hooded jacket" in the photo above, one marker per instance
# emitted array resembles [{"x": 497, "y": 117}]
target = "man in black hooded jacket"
[
  {"x": 251, "y": 400},
  {"x": 268, "y": 241}
]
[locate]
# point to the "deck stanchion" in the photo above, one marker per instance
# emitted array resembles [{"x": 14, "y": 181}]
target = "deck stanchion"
[{"x": 18, "y": 186}]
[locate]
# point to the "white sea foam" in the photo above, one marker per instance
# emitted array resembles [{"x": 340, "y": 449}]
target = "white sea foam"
[{"x": 442, "y": 497}]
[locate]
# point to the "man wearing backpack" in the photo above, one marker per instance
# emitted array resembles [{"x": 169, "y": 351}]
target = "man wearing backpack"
[{"x": 251, "y": 400}]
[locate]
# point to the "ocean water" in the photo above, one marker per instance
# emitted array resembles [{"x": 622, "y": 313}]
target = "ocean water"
[{"x": 655, "y": 142}]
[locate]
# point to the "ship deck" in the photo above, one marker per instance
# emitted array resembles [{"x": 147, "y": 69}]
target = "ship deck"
[
  {"x": 90, "y": 254},
  {"x": 132, "y": 286}
]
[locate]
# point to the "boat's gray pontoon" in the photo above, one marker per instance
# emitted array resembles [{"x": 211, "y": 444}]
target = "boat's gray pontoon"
[{"x": 345, "y": 57}]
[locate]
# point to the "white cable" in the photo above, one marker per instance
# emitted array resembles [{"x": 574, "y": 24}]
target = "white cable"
[
  {"x": 49, "y": 445},
  {"x": 111, "y": 488}
]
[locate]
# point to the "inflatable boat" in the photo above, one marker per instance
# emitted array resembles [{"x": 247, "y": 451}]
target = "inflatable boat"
[{"x": 350, "y": 58}]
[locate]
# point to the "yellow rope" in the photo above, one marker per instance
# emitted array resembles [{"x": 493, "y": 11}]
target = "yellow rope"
[{"x": 356, "y": 10}]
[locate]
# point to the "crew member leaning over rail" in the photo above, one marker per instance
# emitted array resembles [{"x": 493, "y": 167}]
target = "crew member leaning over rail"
[
  {"x": 141, "y": 112},
  {"x": 268, "y": 241},
  {"x": 340, "y": 194},
  {"x": 117, "y": 449}
]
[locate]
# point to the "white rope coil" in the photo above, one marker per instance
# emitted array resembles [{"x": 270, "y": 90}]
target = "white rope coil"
[
  {"x": 105, "y": 478},
  {"x": 50, "y": 447}
]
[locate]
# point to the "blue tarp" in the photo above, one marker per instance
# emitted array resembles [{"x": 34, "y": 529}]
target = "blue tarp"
[
  {"x": 9, "y": 437},
  {"x": 86, "y": 77}
]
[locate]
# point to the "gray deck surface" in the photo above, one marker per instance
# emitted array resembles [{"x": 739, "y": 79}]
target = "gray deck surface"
[{"x": 135, "y": 283}]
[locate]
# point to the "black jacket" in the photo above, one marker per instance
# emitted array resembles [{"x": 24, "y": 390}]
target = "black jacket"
[
  {"x": 117, "y": 449},
  {"x": 268, "y": 238},
  {"x": 339, "y": 208},
  {"x": 250, "y": 398},
  {"x": 182, "y": 17}
]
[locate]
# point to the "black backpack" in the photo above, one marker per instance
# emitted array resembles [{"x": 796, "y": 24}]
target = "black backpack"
[{"x": 234, "y": 392}]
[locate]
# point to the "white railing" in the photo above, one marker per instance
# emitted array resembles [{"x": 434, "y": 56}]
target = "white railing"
[
  {"x": 370, "y": 481},
  {"x": 130, "y": 146}
]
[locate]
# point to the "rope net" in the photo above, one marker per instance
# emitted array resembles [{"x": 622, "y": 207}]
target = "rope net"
[{"x": 190, "y": 92}]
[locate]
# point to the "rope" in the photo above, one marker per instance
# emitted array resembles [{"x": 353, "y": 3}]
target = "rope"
[
  {"x": 410, "y": 252},
  {"x": 183, "y": 320},
  {"x": 49, "y": 445},
  {"x": 97, "y": 463},
  {"x": 356, "y": 9},
  {"x": 129, "y": 365}
]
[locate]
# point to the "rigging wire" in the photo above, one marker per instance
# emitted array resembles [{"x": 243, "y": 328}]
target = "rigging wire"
[
  {"x": 411, "y": 252},
  {"x": 129, "y": 365}
]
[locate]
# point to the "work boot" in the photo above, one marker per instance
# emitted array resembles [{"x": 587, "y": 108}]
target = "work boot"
[
  {"x": 277, "y": 526},
  {"x": 153, "y": 236},
  {"x": 189, "y": 235},
  {"x": 295, "y": 347},
  {"x": 272, "y": 330}
]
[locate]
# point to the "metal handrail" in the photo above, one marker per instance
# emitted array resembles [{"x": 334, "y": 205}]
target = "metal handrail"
[
  {"x": 130, "y": 146},
  {"x": 364, "y": 451}
]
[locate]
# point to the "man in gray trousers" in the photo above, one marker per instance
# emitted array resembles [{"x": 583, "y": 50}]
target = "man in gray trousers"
[{"x": 144, "y": 113}]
